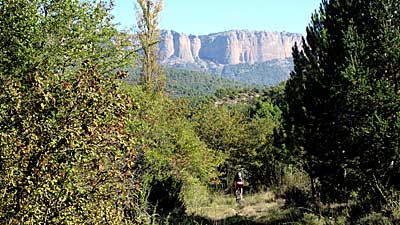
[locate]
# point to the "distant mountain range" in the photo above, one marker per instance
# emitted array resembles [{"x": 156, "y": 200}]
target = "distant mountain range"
[{"x": 253, "y": 57}]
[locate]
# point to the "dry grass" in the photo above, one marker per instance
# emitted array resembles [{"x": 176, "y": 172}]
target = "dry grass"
[
  {"x": 259, "y": 207},
  {"x": 265, "y": 209}
]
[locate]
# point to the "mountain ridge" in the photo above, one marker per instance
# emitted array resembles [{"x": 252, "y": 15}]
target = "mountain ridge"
[
  {"x": 227, "y": 47},
  {"x": 213, "y": 52}
]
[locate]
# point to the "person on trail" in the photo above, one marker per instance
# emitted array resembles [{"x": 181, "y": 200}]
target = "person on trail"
[{"x": 238, "y": 183}]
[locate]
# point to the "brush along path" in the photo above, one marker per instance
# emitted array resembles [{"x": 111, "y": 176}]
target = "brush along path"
[{"x": 259, "y": 208}]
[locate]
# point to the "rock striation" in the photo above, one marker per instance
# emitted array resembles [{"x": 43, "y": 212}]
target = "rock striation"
[{"x": 225, "y": 48}]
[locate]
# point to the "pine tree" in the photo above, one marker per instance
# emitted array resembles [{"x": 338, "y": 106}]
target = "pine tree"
[
  {"x": 343, "y": 100},
  {"x": 373, "y": 98}
]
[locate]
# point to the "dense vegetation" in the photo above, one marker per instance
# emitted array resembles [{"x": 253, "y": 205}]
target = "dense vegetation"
[
  {"x": 80, "y": 145},
  {"x": 190, "y": 83},
  {"x": 63, "y": 146},
  {"x": 268, "y": 73},
  {"x": 343, "y": 100},
  {"x": 342, "y": 117}
]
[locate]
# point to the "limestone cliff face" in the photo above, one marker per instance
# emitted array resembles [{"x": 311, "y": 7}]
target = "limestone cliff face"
[{"x": 225, "y": 48}]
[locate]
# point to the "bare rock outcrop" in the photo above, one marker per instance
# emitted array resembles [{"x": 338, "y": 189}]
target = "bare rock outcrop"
[{"x": 225, "y": 48}]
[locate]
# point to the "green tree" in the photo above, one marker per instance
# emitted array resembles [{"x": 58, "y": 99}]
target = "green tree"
[
  {"x": 265, "y": 163},
  {"x": 245, "y": 138},
  {"x": 172, "y": 156},
  {"x": 151, "y": 74},
  {"x": 342, "y": 112},
  {"x": 65, "y": 157},
  {"x": 64, "y": 152},
  {"x": 58, "y": 36}
]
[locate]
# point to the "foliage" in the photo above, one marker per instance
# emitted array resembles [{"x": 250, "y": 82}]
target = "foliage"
[
  {"x": 189, "y": 83},
  {"x": 219, "y": 128},
  {"x": 297, "y": 197},
  {"x": 374, "y": 218},
  {"x": 58, "y": 36},
  {"x": 165, "y": 196},
  {"x": 295, "y": 187},
  {"x": 148, "y": 36},
  {"x": 247, "y": 141},
  {"x": 313, "y": 219},
  {"x": 254, "y": 96},
  {"x": 192, "y": 83},
  {"x": 65, "y": 156},
  {"x": 267, "y": 73},
  {"x": 343, "y": 102},
  {"x": 275, "y": 95},
  {"x": 168, "y": 143}
]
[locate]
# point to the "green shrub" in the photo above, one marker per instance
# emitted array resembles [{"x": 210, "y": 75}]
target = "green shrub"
[
  {"x": 164, "y": 196},
  {"x": 374, "y": 219},
  {"x": 312, "y": 219},
  {"x": 392, "y": 207},
  {"x": 297, "y": 197},
  {"x": 295, "y": 187},
  {"x": 196, "y": 195},
  {"x": 294, "y": 177}
]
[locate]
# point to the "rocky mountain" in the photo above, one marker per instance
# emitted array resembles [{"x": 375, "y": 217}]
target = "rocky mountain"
[{"x": 213, "y": 52}]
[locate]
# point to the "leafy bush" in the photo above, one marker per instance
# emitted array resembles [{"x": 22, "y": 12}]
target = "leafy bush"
[
  {"x": 374, "y": 219},
  {"x": 312, "y": 219},
  {"x": 165, "y": 196},
  {"x": 172, "y": 157},
  {"x": 295, "y": 187},
  {"x": 196, "y": 195},
  {"x": 64, "y": 154},
  {"x": 297, "y": 197},
  {"x": 246, "y": 139}
]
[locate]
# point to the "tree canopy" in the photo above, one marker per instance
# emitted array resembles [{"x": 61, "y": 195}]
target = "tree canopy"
[
  {"x": 343, "y": 98},
  {"x": 64, "y": 151}
]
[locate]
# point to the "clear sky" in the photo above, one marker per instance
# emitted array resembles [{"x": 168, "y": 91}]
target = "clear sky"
[{"x": 211, "y": 16}]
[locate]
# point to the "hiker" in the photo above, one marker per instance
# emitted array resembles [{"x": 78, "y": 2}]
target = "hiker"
[{"x": 238, "y": 183}]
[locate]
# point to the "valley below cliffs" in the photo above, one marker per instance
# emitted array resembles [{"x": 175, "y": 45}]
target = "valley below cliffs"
[{"x": 254, "y": 57}]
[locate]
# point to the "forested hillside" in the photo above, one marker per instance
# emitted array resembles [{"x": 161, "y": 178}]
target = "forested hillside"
[
  {"x": 82, "y": 141},
  {"x": 249, "y": 56},
  {"x": 268, "y": 73},
  {"x": 189, "y": 83}
]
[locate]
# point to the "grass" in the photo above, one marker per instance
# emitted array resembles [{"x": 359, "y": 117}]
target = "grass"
[
  {"x": 257, "y": 208},
  {"x": 223, "y": 206},
  {"x": 264, "y": 208}
]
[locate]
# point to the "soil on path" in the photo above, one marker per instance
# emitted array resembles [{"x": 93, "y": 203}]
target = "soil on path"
[{"x": 255, "y": 209}]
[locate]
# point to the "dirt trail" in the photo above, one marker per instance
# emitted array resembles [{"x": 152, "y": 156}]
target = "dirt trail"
[{"x": 256, "y": 209}]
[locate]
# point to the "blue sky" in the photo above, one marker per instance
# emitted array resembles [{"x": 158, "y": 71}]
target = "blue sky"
[{"x": 210, "y": 16}]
